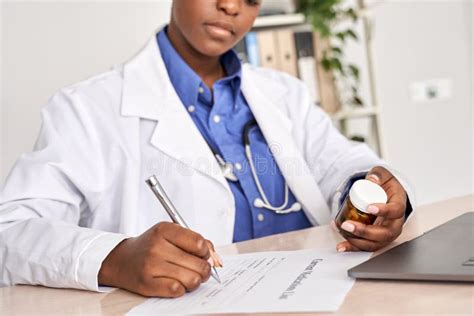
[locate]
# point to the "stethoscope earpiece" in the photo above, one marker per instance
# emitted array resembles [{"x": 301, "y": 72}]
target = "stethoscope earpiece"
[
  {"x": 295, "y": 207},
  {"x": 226, "y": 168}
]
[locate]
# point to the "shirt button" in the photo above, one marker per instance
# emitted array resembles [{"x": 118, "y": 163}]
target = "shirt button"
[
  {"x": 238, "y": 166},
  {"x": 216, "y": 118},
  {"x": 201, "y": 90},
  {"x": 260, "y": 217},
  {"x": 191, "y": 108}
]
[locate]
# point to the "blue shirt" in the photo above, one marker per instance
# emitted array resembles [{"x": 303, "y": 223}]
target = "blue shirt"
[{"x": 220, "y": 115}]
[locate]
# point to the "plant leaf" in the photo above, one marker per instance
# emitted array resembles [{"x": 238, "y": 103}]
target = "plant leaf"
[
  {"x": 341, "y": 36},
  {"x": 354, "y": 71},
  {"x": 351, "y": 33},
  {"x": 336, "y": 64},
  {"x": 357, "y": 101},
  {"x": 336, "y": 50},
  {"x": 326, "y": 63}
]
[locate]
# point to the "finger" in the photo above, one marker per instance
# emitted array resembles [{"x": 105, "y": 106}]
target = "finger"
[
  {"x": 210, "y": 245},
  {"x": 161, "y": 287},
  {"x": 345, "y": 246},
  {"x": 379, "y": 221},
  {"x": 188, "y": 278},
  {"x": 189, "y": 241},
  {"x": 366, "y": 245},
  {"x": 384, "y": 234},
  {"x": 379, "y": 175},
  {"x": 215, "y": 260},
  {"x": 188, "y": 261},
  {"x": 396, "y": 203},
  {"x": 391, "y": 210},
  {"x": 395, "y": 191},
  {"x": 373, "y": 177}
]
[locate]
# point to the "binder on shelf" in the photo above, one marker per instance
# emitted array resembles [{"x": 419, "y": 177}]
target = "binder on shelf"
[
  {"x": 328, "y": 94},
  {"x": 321, "y": 83},
  {"x": 241, "y": 49},
  {"x": 286, "y": 51},
  {"x": 251, "y": 43},
  {"x": 267, "y": 48},
  {"x": 307, "y": 62}
]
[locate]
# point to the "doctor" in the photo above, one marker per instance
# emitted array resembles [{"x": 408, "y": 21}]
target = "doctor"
[{"x": 76, "y": 213}]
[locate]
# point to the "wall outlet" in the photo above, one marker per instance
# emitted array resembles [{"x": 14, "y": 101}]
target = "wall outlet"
[{"x": 431, "y": 90}]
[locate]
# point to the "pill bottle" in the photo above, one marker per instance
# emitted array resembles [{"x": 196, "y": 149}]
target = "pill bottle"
[{"x": 362, "y": 194}]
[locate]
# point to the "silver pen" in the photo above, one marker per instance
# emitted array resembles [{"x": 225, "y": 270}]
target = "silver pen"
[{"x": 160, "y": 193}]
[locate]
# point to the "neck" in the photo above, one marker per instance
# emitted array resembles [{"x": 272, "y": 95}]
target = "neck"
[{"x": 208, "y": 68}]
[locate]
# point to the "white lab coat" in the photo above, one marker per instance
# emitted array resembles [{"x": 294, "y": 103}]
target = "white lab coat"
[{"x": 68, "y": 203}]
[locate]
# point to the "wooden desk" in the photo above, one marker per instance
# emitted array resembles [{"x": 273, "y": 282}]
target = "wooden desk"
[{"x": 366, "y": 297}]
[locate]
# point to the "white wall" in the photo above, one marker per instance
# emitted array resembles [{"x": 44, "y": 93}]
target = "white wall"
[
  {"x": 432, "y": 143},
  {"x": 471, "y": 27},
  {"x": 47, "y": 45},
  {"x": 2, "y": 124}
]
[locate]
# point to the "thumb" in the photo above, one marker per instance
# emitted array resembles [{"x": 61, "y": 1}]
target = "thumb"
[
  {"x": 373, "y": 177},
  {"x": 210, "y": 245},
  {"x": 379, "y": 175}
]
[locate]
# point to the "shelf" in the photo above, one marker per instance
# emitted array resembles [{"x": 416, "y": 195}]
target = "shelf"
[
  {"x": 279, "y": 20},
  {"x": 354, "y": 113}
]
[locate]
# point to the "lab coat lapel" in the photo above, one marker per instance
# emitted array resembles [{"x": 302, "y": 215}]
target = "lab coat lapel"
[
  {"x": 263, "y": 95},
  {"x": 148, "y": 93}
]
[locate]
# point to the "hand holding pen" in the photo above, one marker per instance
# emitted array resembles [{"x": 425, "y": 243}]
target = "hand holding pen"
[
  {"x": 160, "y": 193},
  {"x": 165, "y": 261}
]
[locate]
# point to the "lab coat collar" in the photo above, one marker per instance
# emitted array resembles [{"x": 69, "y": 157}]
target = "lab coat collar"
[
  {"x": 265, "y": 99},
  {"x": 147, "y": 90},
  {"x": 148, "y": 93}
]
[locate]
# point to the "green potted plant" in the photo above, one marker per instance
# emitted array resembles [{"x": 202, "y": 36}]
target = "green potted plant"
[{"x": 325, "y": 16}]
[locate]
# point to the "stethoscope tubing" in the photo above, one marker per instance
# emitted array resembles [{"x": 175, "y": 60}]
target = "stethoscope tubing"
[
  {"x": 262, "y": 202},
  {"x": 282, "y": 209}
]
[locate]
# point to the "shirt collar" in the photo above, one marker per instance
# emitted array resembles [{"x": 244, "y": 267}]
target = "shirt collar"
[{"x": 185, "y": 81}]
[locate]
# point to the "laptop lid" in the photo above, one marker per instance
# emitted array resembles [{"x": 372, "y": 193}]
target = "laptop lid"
[{"x": 445, "y": 253}]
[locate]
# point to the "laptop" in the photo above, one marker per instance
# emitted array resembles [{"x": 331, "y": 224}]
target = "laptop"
[{"x": 445, "y": 253}]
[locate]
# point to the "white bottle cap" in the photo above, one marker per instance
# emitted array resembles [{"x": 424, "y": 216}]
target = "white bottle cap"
[{"x": 364, "y": 193}]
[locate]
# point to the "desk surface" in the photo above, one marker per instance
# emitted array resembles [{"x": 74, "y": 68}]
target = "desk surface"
[{"x": 366, "y": 297}]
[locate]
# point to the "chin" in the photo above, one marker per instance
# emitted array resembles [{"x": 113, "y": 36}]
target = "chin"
[{"x": 213, "y": 49}]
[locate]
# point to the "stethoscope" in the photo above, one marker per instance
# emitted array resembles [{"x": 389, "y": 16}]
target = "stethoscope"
[{"x": 262, "y": 202}]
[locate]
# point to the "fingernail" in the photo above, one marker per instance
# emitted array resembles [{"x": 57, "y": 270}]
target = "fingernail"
[
  {"x": 221, "y": 263},
  {"x": 374, "y": 178},
  {"x": 341, "y": 249},
  {"x": 348, "y": 227},
  {"x": 372, "y": 209},
  {"x": 175, "y": 286}
]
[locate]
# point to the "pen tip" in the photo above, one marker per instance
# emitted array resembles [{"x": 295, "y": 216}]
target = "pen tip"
[{"x": 215, "y": 275}]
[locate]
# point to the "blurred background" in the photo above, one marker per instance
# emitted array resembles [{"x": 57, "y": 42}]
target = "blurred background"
[{"x": 397, "y": 75}]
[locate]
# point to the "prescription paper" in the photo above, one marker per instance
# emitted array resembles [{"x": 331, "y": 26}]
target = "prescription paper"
[{"x": 285, "y": 281}]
